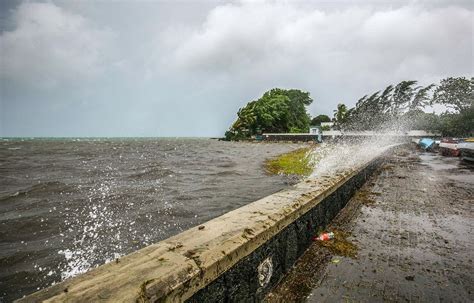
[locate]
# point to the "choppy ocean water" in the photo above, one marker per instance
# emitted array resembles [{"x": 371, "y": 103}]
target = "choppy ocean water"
[{"x": 68, "y": 205}]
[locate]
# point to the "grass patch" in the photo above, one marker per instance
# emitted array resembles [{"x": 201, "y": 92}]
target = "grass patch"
[{"x": 295, "y": 162}]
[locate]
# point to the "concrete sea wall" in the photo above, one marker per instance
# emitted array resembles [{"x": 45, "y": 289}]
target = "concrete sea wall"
[{"x": 239, "y": 256}]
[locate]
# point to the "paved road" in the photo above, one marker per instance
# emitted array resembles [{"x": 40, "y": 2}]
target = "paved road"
[{"x": 413, "y": 225}]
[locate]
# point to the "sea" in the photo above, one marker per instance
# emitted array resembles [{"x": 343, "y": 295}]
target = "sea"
[{"x": 69, "y": 205}]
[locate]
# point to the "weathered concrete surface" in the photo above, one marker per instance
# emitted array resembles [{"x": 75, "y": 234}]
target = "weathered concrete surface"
[
  {"x": 175, "y": 269},
  {"x": 413, "y": 226}
]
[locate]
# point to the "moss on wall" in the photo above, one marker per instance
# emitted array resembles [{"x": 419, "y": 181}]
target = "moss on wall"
[{"x": 296, "y": 162}]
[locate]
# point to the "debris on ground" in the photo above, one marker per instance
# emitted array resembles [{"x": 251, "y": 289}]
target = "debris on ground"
[
  {"x": 324, "y": 237},
  {"x": 339, "y": 245}
]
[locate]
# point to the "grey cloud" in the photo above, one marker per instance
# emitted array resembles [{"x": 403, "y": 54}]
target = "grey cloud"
[
  {"x": 335, "y": 54},
  {"x": 50, "y": 46},
  {"x": 249, "y": 37},
  {"x": 169, "y": 69}
]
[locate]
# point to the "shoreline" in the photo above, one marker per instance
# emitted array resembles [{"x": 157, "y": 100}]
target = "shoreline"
[{"x": 199, "y": 255}]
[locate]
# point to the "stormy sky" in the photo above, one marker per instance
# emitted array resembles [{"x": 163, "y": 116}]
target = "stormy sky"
[{"x": 183, "y": 68}]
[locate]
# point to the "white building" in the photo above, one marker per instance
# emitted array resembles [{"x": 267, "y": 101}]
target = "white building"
[
  {"x": 314, "y": 130},
  {"x": 327, "y": 125}
]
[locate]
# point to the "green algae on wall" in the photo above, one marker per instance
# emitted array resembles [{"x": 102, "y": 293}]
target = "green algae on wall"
[{"x": 296, "y": 162}]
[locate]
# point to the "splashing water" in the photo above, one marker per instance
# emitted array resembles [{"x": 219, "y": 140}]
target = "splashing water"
[
  {"x": 335, "y": 157},
  {"x": 100, "y": 224}
]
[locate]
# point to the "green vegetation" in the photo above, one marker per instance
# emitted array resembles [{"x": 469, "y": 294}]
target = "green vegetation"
[
  {"x": 456, "y": 93},
  {"x": 402, "y": 105},
  {"x": 277, "y": 111},
  {"x": 296, "y": 162},
  {"x": 397, "y": 107},
  {"x": 340, "y": 114},
  {"x": 456, "y": 124}
]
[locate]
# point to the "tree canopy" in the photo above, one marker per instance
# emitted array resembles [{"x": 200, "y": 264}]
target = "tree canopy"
[
  {"x": 340, "y": 114},
  {"x": 319, "y": 119},
  {"x": 456, "y": 93},
  {"x": 278, "y": 110}
]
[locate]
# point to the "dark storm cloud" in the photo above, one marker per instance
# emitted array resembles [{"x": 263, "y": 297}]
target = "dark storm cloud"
[{"x": 160, "y": 68}]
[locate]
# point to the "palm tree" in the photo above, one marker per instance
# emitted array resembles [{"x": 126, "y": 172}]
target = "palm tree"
[
  {"x": 340, "y": 113},
  {"x": 421, "y": 98},
  {"x": 402, "y": 95}
]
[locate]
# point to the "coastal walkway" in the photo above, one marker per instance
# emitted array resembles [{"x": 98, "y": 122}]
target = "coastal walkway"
[{"x": 409, "y": 238}]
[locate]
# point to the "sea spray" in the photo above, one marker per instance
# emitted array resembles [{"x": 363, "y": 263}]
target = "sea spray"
[
  {"x": 97, "y": 235},
  {"x": 348, "y": 152}
]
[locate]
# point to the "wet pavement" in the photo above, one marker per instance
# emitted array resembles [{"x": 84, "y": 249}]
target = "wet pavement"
[{"x": 413, "y": 228}]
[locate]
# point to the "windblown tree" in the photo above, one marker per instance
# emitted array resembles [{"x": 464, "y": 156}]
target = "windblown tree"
[
  {"x": 384, "y": 102},
  {"x": 278, "y": 110},
  {"x": 421, "y": 98},
  {"x": 388, "y": 106},
  {"x": 402, "y": 96},
  {"x": 402, "y": 106}
]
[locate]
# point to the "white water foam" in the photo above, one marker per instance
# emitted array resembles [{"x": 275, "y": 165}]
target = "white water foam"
[
  {"x": 334, "y": 157},
  {"x": 91, "y": 235}
]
